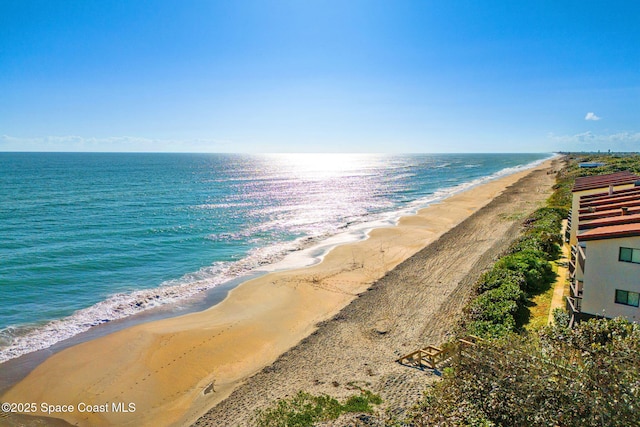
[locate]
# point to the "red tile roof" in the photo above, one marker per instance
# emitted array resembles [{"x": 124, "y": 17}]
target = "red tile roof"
[
  {"x": 611, "y": 232},
  {"x": 610, "y": 206},
  {"x": 604, "y": 195},
  {"x": 628, "y": 197},
  {"x": 603, "y": 181},
  {"x": 613, "y": 220},
  {"x": 606, "y": 214}
]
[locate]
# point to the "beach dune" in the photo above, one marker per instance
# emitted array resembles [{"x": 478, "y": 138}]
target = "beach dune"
[{"x": 172, "y": 371}]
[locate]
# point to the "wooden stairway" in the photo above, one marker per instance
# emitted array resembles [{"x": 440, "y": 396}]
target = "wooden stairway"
[{"x": 432, "y": 356}]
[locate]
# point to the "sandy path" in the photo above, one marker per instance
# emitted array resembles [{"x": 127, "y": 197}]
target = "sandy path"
[
  {"x": 561, "y": 288},
  {"x": 173, "y": 370},
  {"x": 416, "y": 304}
]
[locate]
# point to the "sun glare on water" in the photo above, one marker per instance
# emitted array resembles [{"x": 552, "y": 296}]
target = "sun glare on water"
[{"x": 321, "y": 165}]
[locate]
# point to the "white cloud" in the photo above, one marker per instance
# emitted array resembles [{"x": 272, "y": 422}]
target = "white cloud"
[{"x": 591, "y": 116}]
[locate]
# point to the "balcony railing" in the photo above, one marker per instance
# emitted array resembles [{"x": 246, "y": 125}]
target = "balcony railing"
[
  {"x": 576, "y": 288},
  {"x": 573, "y": 305},
  {"x": 581, "y": 256}
]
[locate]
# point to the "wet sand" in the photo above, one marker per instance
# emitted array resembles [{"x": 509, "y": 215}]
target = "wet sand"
[{"x": 174, "y": 370}]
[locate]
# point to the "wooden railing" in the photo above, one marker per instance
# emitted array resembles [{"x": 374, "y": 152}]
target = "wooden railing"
[
  {"x": 573, "y": 307},
  {"x": 576, "y": 288},
  {"x": 582, "y": 256}
]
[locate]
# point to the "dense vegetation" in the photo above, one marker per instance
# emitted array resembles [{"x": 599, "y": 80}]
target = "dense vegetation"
[
  {"x": 585, "y": 376},
  {"x": 525, "y": 270}
]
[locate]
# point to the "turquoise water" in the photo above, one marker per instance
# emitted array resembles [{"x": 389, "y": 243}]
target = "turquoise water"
[{"x": 88, "y": 238}]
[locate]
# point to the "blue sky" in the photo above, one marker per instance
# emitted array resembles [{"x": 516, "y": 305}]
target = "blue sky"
[{"x": 327, "y": 76}]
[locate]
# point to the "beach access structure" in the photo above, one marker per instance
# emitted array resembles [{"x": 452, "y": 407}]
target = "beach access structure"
[{"x": 433, "y": 357}]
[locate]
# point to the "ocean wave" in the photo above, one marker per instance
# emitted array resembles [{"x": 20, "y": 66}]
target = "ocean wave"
[
  {"x": 230, "y": 236},
  {"x": 213, "y": 206},
  {"x": 18, "y": 340}
]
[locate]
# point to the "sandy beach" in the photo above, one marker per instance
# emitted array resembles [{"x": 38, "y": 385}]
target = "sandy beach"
[{"x": 317, "y": 329}]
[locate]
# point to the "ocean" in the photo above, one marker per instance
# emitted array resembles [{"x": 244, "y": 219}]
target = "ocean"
[{"x": 88, "y": 238}]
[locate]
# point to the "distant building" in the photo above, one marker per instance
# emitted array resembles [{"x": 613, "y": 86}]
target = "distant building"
[{"x": 590, "y": 164}]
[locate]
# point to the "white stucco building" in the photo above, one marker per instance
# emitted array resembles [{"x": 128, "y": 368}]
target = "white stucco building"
[
  {"x": 611, "y": 276},
  {"x": 605, "y": 259}
]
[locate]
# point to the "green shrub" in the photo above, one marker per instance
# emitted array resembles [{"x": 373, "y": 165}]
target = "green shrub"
[
  {"x": 497, "y": 304},
  {"x": 533, "y": 265},
  {"x": 528, "y": 242},
  {"x": 302, "y": 410},
  {"x": 361, "y": 402},
  {"x": 305, "y": 409},
  {"x": 542, "y": 233},
  {"x": 497, "y": 277},
  {"x": 561, "y": 318},
  {"x": 489, "y": 329},
  {"x": 549, "y": 218},
  {"x": 493, "y": 313},
  {"x": 538, "y": 240}
]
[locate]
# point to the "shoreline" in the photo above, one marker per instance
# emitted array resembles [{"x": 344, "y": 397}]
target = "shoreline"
[
  {"x": 302, "y": 252},
  {"x": 177, "y": 368}
]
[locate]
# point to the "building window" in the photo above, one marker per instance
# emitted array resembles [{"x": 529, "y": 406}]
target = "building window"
[
  {"x": 629, "y": 255},
  {"x": 627, "y": 298}
]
